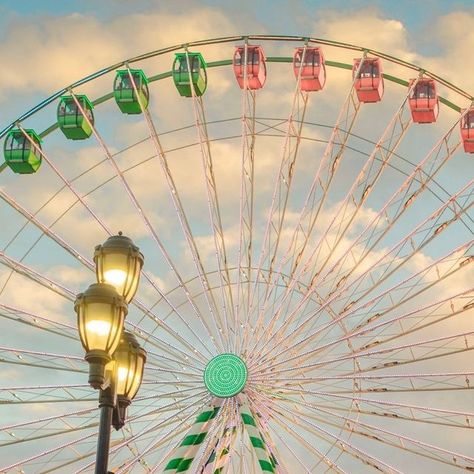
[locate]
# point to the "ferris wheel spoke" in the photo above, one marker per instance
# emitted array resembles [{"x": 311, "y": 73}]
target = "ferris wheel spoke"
[
  {"x": 460, "y": 342},
  {"x": 363, "y": 330},
  {"x": 227, "y": 298},
  {"x": 36, "y": 321},
  {"x": 148, "y": 225},
  {"x": 69, "y": 294},
  {"x": 49, "y": 452},
  {"x": 314, "y": 201},
  {"x": 404, "y": 411},
  {"x": 443, "y": 455},
  {"x": 342, "y": 443},
  {"x": 283, "y": 181},
  {"x": 377, "y": 300},
  {"x": 426, "y": 232},
  {"x": 363, "y": 185},
  {"x": 244, "y": 278},
  {"x": 34, "y": 393},
  {"x": 18, "y": 267},
  {"x": 286, "y": 425},
  {"x": 438, "y": 312},
  {"x": 173, "y": 191},
  {"x": 368, "y": 431},
  {"x": 442, "y": 146},
  {"x": 400, "y": 201},
  {"x": 42, "y": 359}
]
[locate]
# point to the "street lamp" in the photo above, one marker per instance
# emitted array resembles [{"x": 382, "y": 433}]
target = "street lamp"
[
  {"x": 130, "y": 360},
  {"x": 119, "y": 262},
  {"x": 100, "y": 312},
  {"x": 116, "y": 360}
]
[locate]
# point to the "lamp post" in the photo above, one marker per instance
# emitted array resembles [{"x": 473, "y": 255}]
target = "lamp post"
[{"x": 116, "y": 360}]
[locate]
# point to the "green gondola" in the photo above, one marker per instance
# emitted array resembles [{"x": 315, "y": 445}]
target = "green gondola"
[
  {"x": 124, "y": 91},
  {"x": 70, "y": 119},
  {"x": 20, "y": 155},
  {"x": 182, "y": 78}
]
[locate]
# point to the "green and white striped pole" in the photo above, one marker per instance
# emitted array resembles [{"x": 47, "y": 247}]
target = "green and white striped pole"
[
  {"x": 220, "y": 455},
  {"x": 184, "y": 455},
  {"x": 266, "y": 461}
]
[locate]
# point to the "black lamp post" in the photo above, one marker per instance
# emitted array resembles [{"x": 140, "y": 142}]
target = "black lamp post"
[{"x": 116, "y": 360}]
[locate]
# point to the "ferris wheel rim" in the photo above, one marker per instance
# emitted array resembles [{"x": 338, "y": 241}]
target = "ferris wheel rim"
[{"x": 222, "y": 40}]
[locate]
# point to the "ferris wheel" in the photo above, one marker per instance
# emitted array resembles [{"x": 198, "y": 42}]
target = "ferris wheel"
[{"x": 305, "y": 211}]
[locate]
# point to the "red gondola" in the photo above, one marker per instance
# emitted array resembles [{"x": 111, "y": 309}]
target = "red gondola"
[
  {"x": 313, "y": 70},
  {"x": 256, "y": 67},
  {"x": 369, "y": 83},
  {"x": 424, "y": 102},
  {"x": 467, "y": 131}
]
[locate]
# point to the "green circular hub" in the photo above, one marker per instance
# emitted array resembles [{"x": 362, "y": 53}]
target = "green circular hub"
[{"x": 225, "y": 375}]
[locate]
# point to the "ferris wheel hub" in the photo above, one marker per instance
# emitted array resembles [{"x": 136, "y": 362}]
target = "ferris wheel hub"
[{"x": 225, "y": 375}]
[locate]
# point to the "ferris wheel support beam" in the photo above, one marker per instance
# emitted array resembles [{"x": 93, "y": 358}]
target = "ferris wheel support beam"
[
  {"x": 220, "y": 456},
  {"x": 173, "y": 191},
  {"x": 328, "y": 165},
  {"x": 184, "y": 454},
  {"x": 145, "y": 220},
  {"x": 156, "y": 443},
  {"x": 265, "y": 460},
  {"x": 215, "y": 437}
]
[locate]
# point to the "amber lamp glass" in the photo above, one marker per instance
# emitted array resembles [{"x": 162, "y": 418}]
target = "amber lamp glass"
[
  {"x": 130, "y": 360},
  {"x": 100, "y": 313},
  {"x": 119, "y": 262}
]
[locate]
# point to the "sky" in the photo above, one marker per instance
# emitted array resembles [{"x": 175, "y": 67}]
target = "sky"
[{"x": 45, "y": 45}]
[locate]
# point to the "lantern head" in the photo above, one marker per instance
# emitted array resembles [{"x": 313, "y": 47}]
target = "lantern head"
[
  {"x": 119, "y": 262},
  {"x": 100, "y": 313}
]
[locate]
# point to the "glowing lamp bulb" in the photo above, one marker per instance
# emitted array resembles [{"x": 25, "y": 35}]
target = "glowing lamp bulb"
[
  {"x": 122, "y": 374},
  {"x": 115, "y": 277},
  {"x": 101, "y": 328}
]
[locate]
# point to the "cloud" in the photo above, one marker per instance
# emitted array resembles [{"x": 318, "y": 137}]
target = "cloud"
[
  {"x": 72, "y": 46},
  {"x": 453, "y": 35}
]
